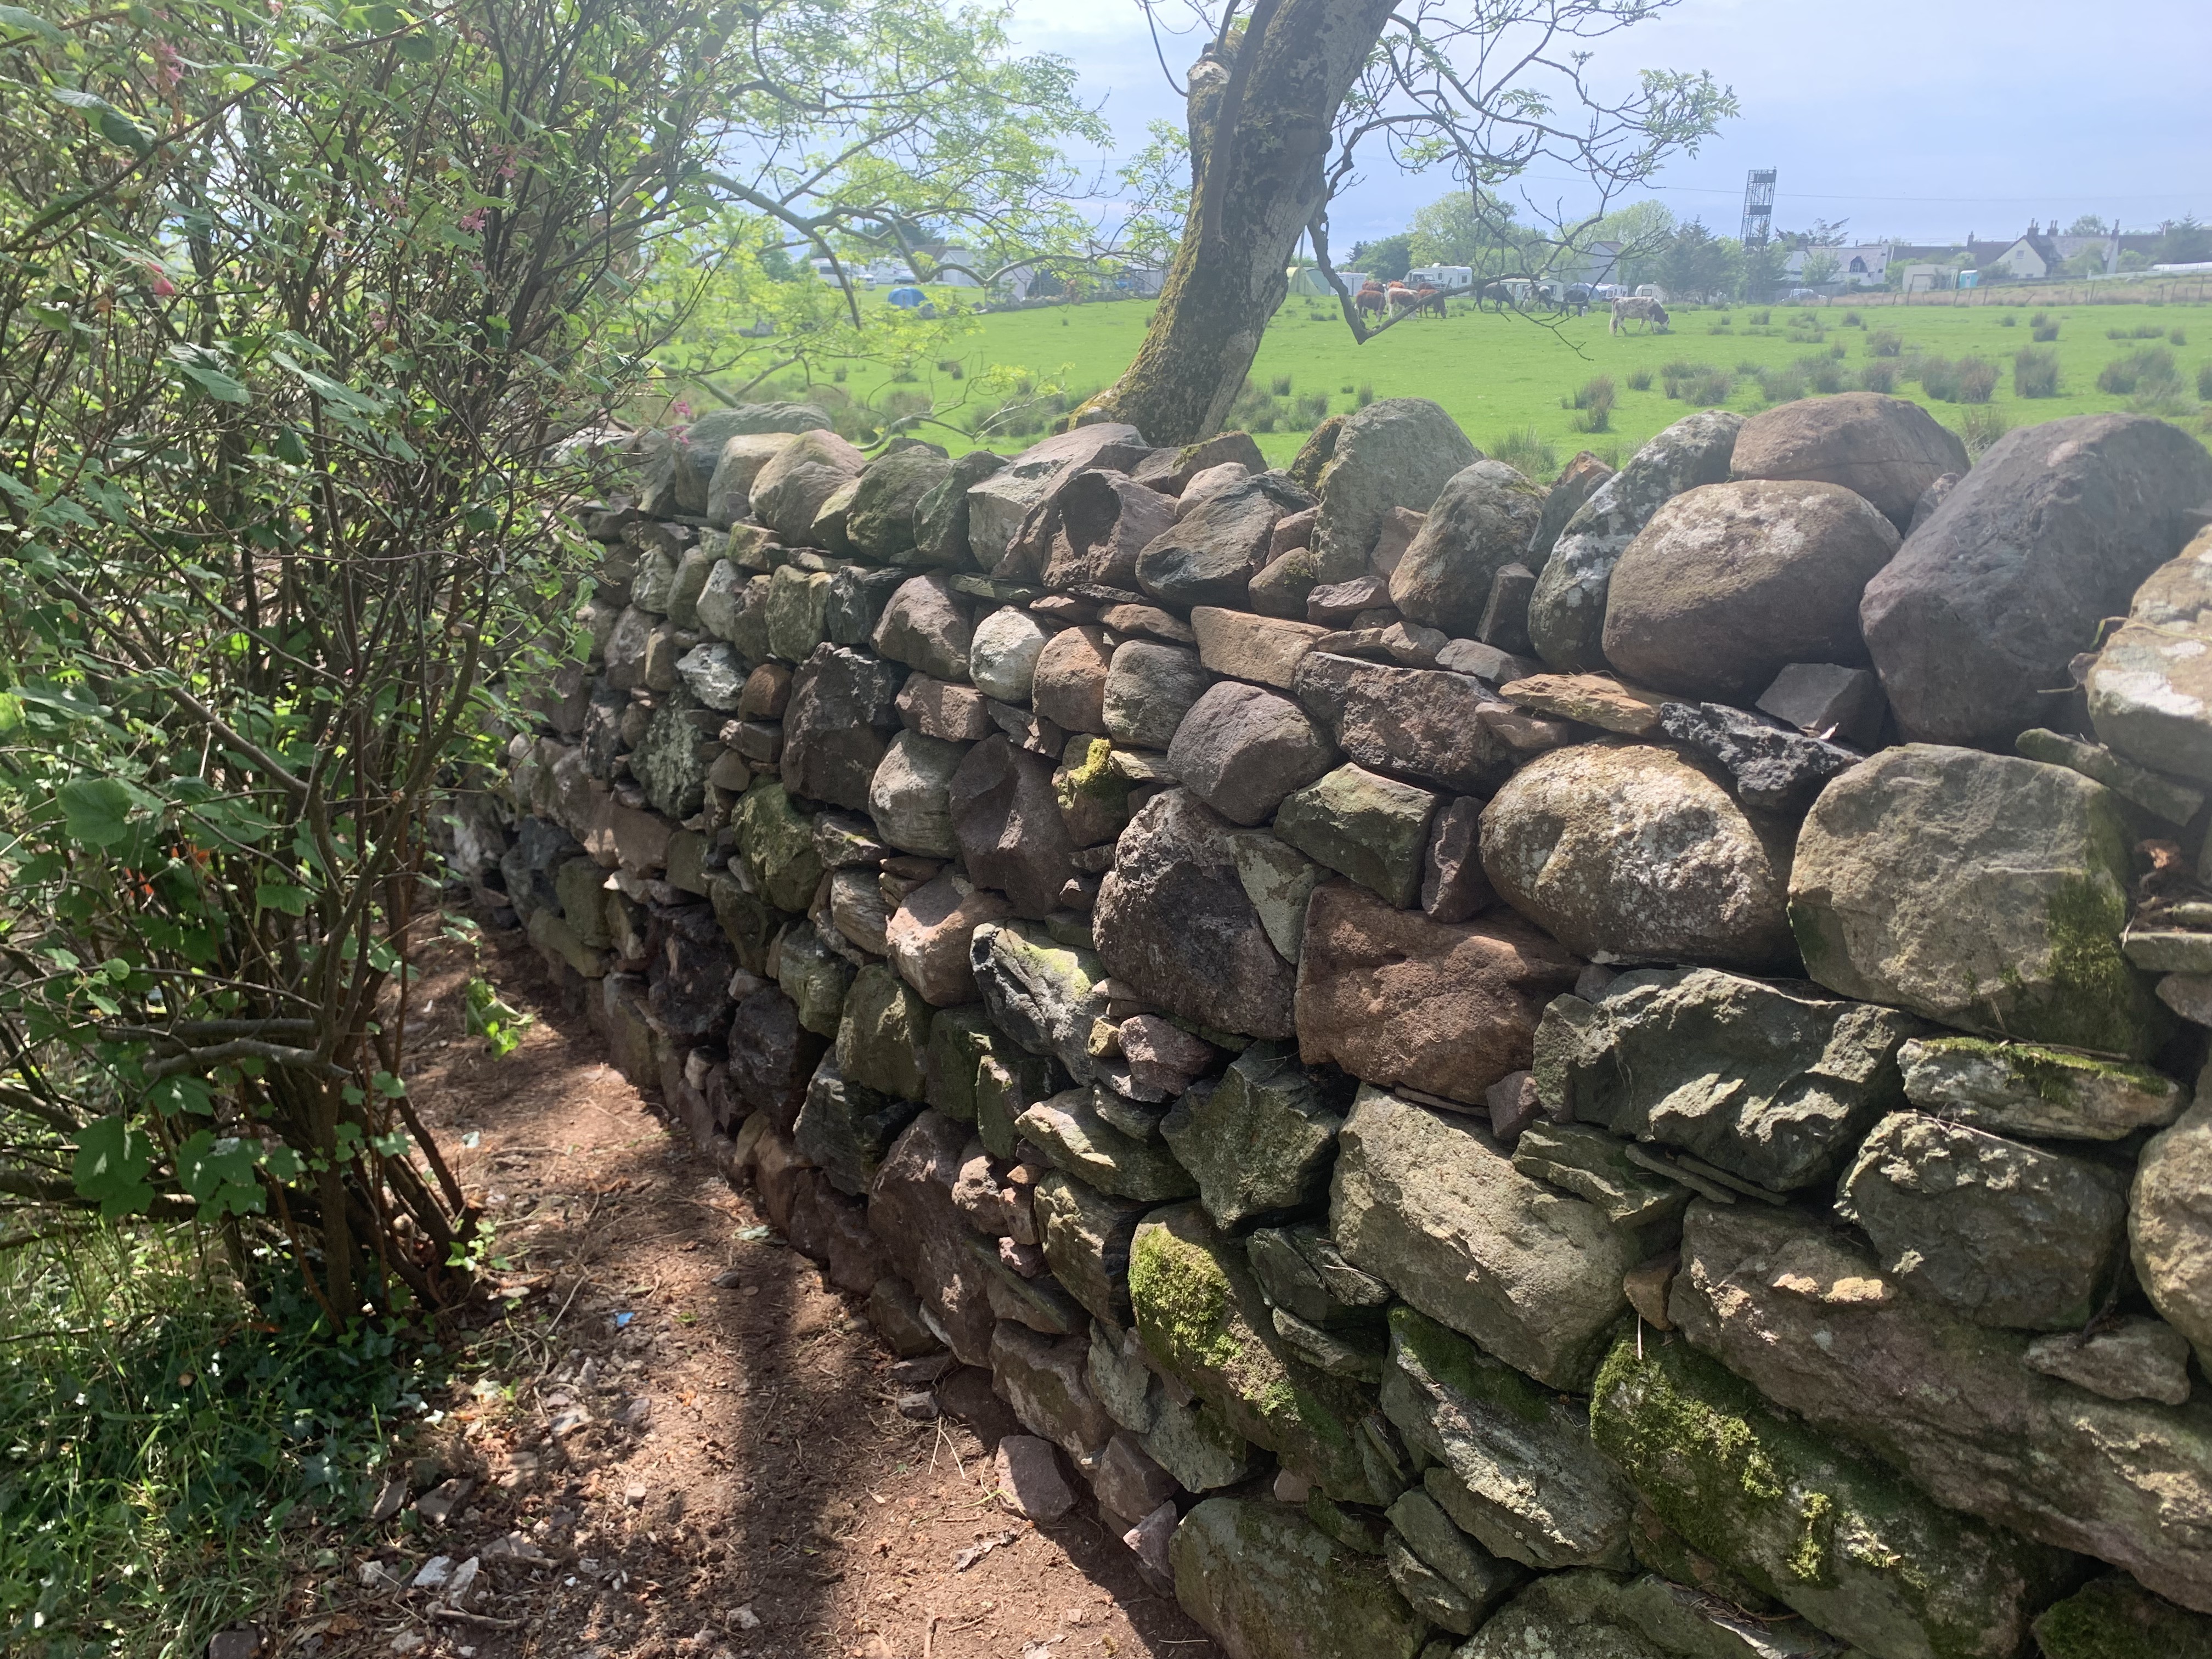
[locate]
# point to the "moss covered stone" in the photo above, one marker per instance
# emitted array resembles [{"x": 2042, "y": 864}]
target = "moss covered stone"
[
  {"x": 1087, "y": 1235},
  {"x": 1072, "y": 1131},
  {"x": 2117, "y": 1617},
  {"x": 1201, "y": 1314},
  {"x": 667, "y": 763},
  {"x": 1847, "y": 1544},
  {"x": 959, "y": 1041},
  {"x": 1007, "y": 1084},
  {"x": 1513, "y": 1461},
  {"x": 748, "y": 920},
  {"x": 2025, "y": 1089},
  {"x": 883, "y": 1034},
  {"x": 776, "y": 841},
  {"x": 1266, "y": 1584},
  {"x": 1091, "y": 793},
  {"x": 797, "y": 612},
  {"x": 1262, "y": 1139},
  {"x": 1485, "y": 1579},
  {"x": 845, "y": 1128},
  {"x": 1982, "y": 890},
  {"x": 1043, "y": 994},
  {"x": 813, "y": 976}
]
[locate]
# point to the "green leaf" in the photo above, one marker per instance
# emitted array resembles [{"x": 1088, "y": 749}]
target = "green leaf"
[
  {"x": 112, "y": 1160},
  {"x": 182, "y": 1094},
  {"x": 389, "y": 1086},
  {"x": 216, "y": 384},
  {"x": 96, "y": 811},
  {"x": 31, "y": 23},
  {"x": 218, "y": 1172},
  {"x": 327, "y": 389},
  {"x": 114, "y": 125},
  {"x": 281, "y": 896},
  {"x": 416, "y": 48},
  {"x": 207, "y": 370}
]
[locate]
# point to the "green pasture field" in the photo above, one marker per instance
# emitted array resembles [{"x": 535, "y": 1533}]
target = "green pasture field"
[{"x": 1500, "y": 375}]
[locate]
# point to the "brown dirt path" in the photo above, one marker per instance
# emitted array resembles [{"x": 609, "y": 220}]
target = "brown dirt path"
[{"x": 681, "y": 1467}]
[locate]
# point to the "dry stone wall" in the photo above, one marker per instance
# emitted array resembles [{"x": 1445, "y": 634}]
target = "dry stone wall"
[{"x": 1498, "y": 1072}]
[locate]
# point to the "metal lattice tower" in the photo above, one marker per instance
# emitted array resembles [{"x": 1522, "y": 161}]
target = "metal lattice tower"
[{"x": 1757, "y": 206}]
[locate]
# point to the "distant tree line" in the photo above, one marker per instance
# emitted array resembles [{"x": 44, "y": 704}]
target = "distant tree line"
[{"x": 1645, "y": 242}]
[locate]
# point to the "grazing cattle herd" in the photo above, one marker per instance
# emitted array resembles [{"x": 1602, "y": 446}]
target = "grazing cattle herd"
[{"x": 1391, "y": 301}]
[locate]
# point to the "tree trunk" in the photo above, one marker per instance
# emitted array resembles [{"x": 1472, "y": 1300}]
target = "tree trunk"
[{"x": 1261, "y": 117}]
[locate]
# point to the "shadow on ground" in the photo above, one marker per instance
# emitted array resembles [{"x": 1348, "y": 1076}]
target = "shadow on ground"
[{"x": 686, "y": 1439}]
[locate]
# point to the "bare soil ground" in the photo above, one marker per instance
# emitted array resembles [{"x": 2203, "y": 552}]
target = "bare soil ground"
[{"x": 679, "y": 1441}]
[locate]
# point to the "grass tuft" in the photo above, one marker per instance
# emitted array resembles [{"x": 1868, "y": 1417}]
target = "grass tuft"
[{"x": 163, "y": 1440}]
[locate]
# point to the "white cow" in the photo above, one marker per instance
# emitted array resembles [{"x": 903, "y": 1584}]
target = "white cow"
[{"x": 1637, "y": 310}]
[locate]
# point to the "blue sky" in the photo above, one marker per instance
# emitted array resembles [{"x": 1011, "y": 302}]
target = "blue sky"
[{"x": 1925, "y": 119}]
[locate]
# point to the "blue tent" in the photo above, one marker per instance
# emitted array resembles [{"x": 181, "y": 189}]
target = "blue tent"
[{"x": 909, "y": 298}]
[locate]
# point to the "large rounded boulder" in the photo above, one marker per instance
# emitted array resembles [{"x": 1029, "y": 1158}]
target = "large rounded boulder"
[
  {"x": 1730, "y": 583},
  {"x": 1399, "y": 451},
  {"x": 1566, "y": 612},
  {"x": 1982, "y": 890},
  {"x": 1977, "y": 618},
  {"x": 1635, "y": 854},
  {"x": 789, "y": 489},
  {"x": 1887, "y": 449},
  {"x": 1485, "y": 520}
]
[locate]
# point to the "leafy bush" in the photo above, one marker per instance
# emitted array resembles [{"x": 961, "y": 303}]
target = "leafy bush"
[
  {"x": 2046, "y": 332},
  {"x": 1885, "y": 343},
  {"x": 1311, "y": 410},
  {"x": 2140, "y": 331},
  {"x": 2038, "y": 318},
  {"x": 2204, "y": 381},
  {"x": 1852, "y": 319},
  {"x": 1279, "y": 386},
  {"x": 1879, "y": 375},
  {"x": 2007, "y": 321},
  {"x": 1761, "y": 319},
  {"x": 312, "y": 326},
  {"x": 2035, "y": 374},
  {"x": 2177, "y": 336},
  {"x": 1639, "y": 379},
  {"x": 1366, "y": 394}
]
